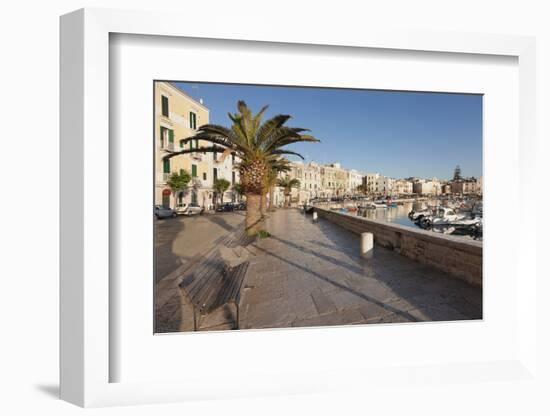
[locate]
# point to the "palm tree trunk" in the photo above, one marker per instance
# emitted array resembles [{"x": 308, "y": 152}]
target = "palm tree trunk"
[
  {"x": 253, "y": 213},
  {"x": 263, "y": 202},
  {"x": 271, "y": 198}
]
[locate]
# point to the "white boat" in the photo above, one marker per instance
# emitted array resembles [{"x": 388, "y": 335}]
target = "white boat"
[
  {"x": 446, "y": 218},
  {"x": 418, "y": 215}
]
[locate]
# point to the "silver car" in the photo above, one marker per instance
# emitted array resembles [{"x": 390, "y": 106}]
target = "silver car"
[
  {"x": 189, "y": 209},
  {"x": 163, "y": 212}
]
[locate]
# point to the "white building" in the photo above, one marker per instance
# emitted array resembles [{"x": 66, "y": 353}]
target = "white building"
[
  {"x": 403, "y": 187},
  {"x": 355, "y": 178},
  {"x": 479, "y": 188},
  {"x": 223, "y": 167},
  {"x": 378, "y": 184},
  {"x": 370, "y": 181},
  {"x": 427, "y": 187}
]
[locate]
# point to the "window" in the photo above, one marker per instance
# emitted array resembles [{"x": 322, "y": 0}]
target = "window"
[
  {"x": 166, "y": 165},
  {"x": 215, "y": 174},
  {"x": 165, "y": 111},
  {"x": 233, "y": 158},
  {"x": 182, "y": 143},
  {"x": 166, "y": 136},
  {"x": 194, "y": 171},
  {"x": 232, "y": 178},
  {"x": 162, "y": 133},
  {"x": 196, "y": 143},
  {"x": 204, "y": 176},
  {"x": 215, "y": 156},
  {"x": 192, "y": 120}
]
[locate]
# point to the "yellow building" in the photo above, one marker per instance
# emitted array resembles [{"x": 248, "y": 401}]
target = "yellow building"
[{"x": 178, "y": 116}]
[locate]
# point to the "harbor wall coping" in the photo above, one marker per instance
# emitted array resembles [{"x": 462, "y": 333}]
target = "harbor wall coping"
[{"x": 462, "y": 259}]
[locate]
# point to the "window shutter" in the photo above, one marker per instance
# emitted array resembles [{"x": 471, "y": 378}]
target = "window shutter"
[
  {"x": 194, "y": 171},
  {"x": 171, "y": 136},
  {"x": 166, "y": 166}
]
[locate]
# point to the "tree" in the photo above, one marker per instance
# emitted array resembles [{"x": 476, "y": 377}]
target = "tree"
[
  {"x": 287, "y": 184},
  {"x": 362, "y": 189},
  {"x": 239, "y": 189},
  {"x": 457, "y": 176},
  {"x": 220, "y": 186},
  {"x": 276, "y": 167},
  {"x": 256, "y": 144},
  {"x": 177, "y": 182}
]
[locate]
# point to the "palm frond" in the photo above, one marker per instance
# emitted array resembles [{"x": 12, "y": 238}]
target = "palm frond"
[
  {"x": 286, "y": 152},
  {"x": 210, "y": 149},
  {"x": 269, "y": 127}
]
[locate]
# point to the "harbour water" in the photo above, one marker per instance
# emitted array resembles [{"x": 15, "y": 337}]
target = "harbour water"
[{"x": 399, "y": 214}]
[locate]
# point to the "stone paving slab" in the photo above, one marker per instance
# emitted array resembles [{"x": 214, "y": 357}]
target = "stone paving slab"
[
  {"x": 311, "y": 274},
  {"x": 315, "y": 276}
]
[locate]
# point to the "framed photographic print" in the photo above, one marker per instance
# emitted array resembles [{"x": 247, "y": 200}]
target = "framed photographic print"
[
  {"x": 252, "y": 234},
  {"x": 282, "y": 206}
]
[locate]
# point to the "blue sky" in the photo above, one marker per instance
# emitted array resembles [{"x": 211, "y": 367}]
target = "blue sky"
[{"x": 398, "y": 134}]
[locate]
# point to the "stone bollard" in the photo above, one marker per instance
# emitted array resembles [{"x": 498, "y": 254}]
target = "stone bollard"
[
  {"x": 314, "y": 216},
  {"x": 367, "y": 243}
]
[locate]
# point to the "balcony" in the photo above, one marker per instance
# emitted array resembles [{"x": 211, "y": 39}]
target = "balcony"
[
  {"x": 163, "y": 177},
  {"x": 170, "y": 147},
  {"x": 197, "y": 156}
]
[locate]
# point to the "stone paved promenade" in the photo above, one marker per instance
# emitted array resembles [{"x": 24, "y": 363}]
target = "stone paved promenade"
[{"x": 310, "y": 274}]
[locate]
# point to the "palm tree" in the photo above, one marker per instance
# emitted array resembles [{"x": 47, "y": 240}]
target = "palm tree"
[
  {"x": 257, "y": 145},
  {"x": 287, "y": 184},
  {"x": 276, "y": 167}
]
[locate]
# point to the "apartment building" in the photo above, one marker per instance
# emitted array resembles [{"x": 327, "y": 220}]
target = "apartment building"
[
  {"x": 427, "y": 187},
  {"x": 402, "y": 187},
  {"x": 177, "y": 117},
  {"x": 334, "y": 180},
  {"x": 469, "y": 186}
]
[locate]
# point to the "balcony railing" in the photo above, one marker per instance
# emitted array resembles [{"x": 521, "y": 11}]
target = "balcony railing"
[
  {"x": 162, "y": 177},
  {"x": 169, "y": 146}
]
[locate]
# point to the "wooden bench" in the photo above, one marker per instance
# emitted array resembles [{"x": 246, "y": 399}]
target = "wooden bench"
[{"x": 212, "y": 283}]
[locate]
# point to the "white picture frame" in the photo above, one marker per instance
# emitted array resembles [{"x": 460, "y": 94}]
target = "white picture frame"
[{"x": 86, "y": 356}]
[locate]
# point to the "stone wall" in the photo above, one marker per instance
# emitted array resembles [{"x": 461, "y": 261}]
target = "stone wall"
[{"x": 460, "y": 258}]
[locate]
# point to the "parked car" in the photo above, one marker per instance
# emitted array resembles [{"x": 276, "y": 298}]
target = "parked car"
[
  {"x": 240, "y": 206},
  {"x": 226, "y": 207},
  {"x": 189, "y": 209},
  {"x": 163, "y": 212}
]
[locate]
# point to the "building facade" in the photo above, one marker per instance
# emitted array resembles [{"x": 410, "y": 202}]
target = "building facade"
[
  {"x": 462, "y": 187},
  {"x": 334, "y": 180},
  {"x": 402, "y": 187},
  {"x": 427, "y": 187},
  {"x": 355, "y": 178},
  {"x": 178, "y": 117}
]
